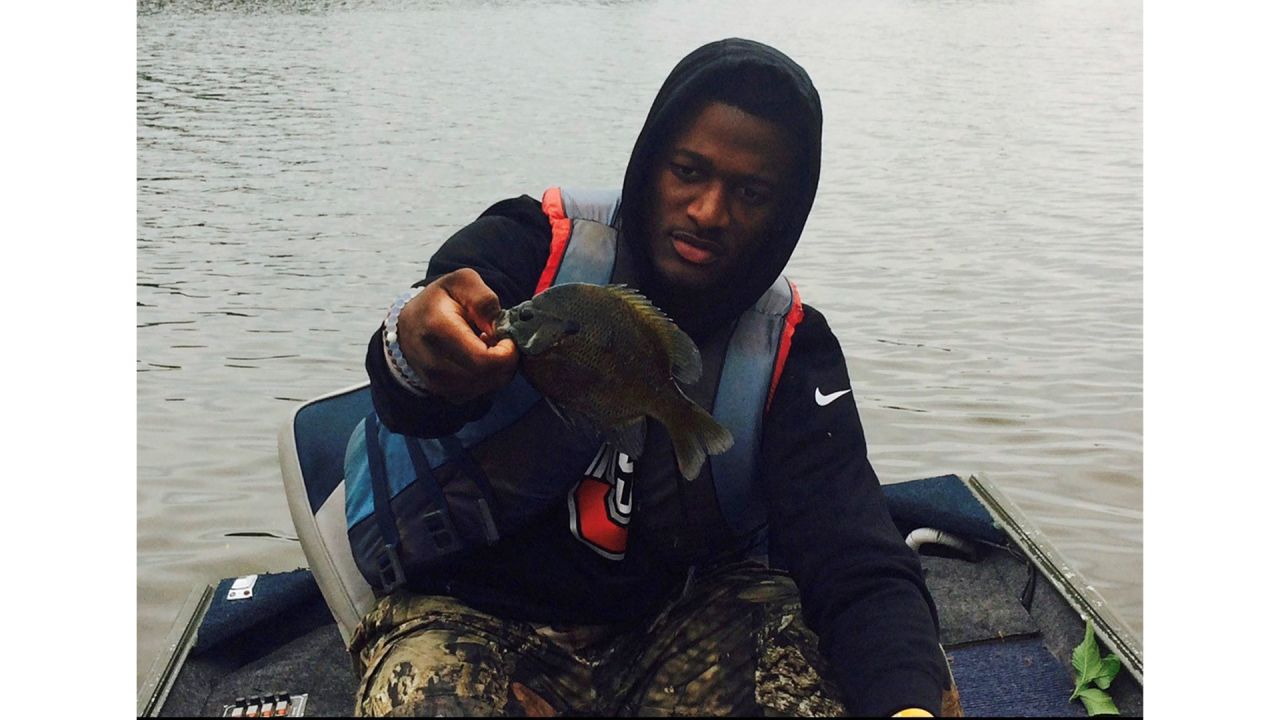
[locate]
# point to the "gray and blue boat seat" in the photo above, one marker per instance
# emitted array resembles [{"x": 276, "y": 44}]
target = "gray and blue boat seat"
[{"x": 313, "y": 444}]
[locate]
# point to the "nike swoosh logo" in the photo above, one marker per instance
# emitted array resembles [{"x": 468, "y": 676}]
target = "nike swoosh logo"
[{"x": 824, "y": 400}]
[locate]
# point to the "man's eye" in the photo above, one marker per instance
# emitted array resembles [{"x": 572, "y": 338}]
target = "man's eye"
[
  {"x": 684, "y": 172},
  {"x": 752, "y": 195}
]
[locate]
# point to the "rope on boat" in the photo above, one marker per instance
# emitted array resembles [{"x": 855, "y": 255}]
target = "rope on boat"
[{"x": 932, "y": 536}]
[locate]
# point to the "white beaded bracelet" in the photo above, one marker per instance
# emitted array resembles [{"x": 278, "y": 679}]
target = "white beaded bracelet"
[{"x": 391, "y": 343}]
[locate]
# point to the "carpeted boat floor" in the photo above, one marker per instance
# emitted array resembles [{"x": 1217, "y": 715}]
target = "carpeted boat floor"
[{"x": 284, "y": 639}]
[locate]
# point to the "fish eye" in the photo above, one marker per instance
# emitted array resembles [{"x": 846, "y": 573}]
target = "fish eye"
[{"x": 526, "y": 313}]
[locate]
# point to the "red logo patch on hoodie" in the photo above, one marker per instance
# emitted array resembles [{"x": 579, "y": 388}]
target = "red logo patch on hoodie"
[{"x": 600, "y": 504}]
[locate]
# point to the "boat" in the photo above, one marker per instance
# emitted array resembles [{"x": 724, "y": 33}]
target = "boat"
[{"x": 1011, "y": 609}]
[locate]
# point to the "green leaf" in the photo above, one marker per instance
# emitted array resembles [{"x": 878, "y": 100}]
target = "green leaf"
[
  {"x": 1097, "y": 702},
  {"x": 1086, "y": 659},
  {"x": 1110, "y": 668}
]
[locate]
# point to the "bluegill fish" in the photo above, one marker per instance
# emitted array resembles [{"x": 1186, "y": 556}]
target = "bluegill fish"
[{"x": 606, "y": 358}]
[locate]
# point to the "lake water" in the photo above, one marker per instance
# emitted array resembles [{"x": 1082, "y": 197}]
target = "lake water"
[{"x": 976, "y": 242}]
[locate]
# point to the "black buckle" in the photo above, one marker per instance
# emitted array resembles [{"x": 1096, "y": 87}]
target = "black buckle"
[{"x": 390, "y": 573}]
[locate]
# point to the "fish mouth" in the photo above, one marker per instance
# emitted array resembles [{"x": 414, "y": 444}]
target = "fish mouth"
[
  {"x": 694, "y": 249},
  {"x": 502, "y": 326}
]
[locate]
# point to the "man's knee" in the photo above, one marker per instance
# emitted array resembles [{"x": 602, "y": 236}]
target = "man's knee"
[
  {"x": 435, "y": 672},
  {"x": 790, "y": 673},
  {"x": 736, "y": 644}
]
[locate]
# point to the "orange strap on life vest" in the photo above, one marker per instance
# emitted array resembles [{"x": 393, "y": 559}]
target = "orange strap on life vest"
[
  {"x": 561, "y": 226},
  {"x": 794, "y": 316}
]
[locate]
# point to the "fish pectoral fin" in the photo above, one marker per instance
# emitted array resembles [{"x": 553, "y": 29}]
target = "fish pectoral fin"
[
  {"x": 629, "y": 437},
  {"x": 695, "y": 433},
  {"x": 573, "y": 418},
  {"x": 686, "y": 361}
]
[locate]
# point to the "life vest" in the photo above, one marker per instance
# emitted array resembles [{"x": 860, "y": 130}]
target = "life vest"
[{"x": 413, "y": 503}]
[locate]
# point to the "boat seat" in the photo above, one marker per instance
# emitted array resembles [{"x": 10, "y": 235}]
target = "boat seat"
[{"x": 313, "y": 445}]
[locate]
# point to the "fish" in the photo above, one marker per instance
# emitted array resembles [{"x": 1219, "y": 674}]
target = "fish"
[{"x": 606, "y": 359}]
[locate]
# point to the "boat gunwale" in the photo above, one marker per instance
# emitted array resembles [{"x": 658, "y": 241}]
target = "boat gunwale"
[
  {"x": 178, "y": 643},
  {"x": 1049, "y": 561}
]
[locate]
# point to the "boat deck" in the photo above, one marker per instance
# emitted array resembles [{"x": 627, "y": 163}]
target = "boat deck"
[{"x": 1007, "y": 628}]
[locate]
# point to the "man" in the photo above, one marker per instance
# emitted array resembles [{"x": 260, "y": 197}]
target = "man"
[{"x": 610, "y": 585}]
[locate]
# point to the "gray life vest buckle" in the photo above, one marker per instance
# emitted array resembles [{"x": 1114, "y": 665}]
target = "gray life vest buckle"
[
  {"x": 441, "y": 532},
  {"x": 390, "y": 573}
]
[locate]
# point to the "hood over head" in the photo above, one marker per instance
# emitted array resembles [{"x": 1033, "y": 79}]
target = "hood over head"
[{"x": 763, "y": 82}]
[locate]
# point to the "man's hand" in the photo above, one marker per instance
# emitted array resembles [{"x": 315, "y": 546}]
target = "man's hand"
[{"x": 446, "y": 336}]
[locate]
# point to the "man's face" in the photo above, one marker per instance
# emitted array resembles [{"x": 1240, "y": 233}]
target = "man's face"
[{"x": 718, "y": 192}]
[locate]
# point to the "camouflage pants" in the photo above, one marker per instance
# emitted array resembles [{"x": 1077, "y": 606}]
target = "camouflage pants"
[{"x": 732, "y": 644}]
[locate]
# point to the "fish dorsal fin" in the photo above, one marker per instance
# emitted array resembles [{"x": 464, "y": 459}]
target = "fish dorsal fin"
[{"x": 686, "y": 361}]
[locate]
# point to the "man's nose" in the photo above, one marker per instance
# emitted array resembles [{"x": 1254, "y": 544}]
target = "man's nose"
[{"x": 710, "y": 207}]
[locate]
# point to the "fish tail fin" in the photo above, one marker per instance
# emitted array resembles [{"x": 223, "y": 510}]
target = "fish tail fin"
[{"x": 695, "y": 434}]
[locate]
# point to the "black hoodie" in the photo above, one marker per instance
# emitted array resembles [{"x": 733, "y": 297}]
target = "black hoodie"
[
  {"x": 792, "y": 101},
  {"x": 862, "y": 589}
]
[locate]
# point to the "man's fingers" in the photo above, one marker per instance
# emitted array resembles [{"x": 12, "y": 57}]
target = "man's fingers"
[
  {"x": 449, "y": 379},
  {"x": 479, "y": 303},
  {"x": 476, "y": 308},
  {"x": 451, "y": 382},
  {"x": 452, "y": 340},
  {"x": 504, "y": 352},
  {"x": 502, "y": 359},
  {"x": 447, "y": 348}
]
